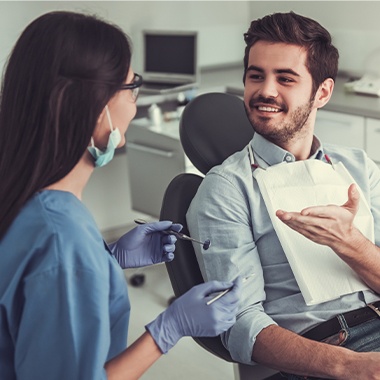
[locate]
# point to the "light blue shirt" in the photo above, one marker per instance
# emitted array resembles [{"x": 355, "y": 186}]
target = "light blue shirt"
[
  {"x": 229, "y": 210},
  {"x": 64, "y": 306}
]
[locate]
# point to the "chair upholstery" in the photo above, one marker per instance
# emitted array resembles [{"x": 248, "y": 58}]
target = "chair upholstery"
[
  {"x": 212, "y": 127},
  {"x": 184, "y": 270}
]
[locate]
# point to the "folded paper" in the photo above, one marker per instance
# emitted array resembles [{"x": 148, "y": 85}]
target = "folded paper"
[{"x": 320, "y": 273}]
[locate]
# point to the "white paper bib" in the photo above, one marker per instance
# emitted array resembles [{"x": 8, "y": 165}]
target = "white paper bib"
[{"x": 321, "y": 275}]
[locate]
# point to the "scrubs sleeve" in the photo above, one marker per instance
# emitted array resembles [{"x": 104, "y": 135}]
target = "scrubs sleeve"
[
  {"x": 64, "y": 331},
  {"x": 220, "y": 212}
]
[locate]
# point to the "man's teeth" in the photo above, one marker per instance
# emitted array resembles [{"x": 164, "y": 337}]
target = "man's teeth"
[{"x": 267, "y": 109}]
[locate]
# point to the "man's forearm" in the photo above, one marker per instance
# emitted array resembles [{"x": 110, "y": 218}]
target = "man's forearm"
[
  {"x": 288, "y": 352},
  {"x": 364, "y": 258}
]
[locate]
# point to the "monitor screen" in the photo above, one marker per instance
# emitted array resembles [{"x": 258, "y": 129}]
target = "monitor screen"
[{"x": 170, "y": 55}]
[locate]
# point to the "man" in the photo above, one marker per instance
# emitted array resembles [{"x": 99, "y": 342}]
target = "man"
[{"x": 290, "y": 68}]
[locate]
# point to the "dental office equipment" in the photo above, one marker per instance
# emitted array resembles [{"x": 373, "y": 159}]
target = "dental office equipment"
[
  {"x": 206, "y": 244},
  {"x": 221, "y": 294}
]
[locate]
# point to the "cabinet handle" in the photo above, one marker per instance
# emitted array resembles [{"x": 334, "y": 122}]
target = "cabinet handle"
[{"x": 148, "y": 149}]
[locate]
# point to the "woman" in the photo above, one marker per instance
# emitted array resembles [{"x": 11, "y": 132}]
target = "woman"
[{"x": 68, "y": 95}]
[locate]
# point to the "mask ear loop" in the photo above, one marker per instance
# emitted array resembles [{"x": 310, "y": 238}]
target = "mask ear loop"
[
  {"x": 109, "y": 122},
  {"x": 109, "y": 118}
]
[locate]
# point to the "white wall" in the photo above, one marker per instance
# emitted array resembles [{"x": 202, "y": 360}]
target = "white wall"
[
  {"x": 354, "y": 26},
  {"x": 220, "y": 23}
]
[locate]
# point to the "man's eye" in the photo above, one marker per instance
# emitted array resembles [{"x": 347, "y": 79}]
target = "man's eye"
[
  {"x": 255, "y": 77},
  {"x": 286, "y": 80}
]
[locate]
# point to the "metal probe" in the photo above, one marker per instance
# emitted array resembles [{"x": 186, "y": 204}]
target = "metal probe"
[
  {"x": 206, "y": 244},
  {"x": 222, "y": 293}
]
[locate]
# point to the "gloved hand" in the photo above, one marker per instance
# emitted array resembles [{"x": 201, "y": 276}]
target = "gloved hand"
[
  {"x": 146, "y": 245},
  {"x": 189, "y": 315}
]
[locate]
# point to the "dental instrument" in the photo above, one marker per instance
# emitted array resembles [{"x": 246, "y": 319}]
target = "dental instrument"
[
  {"x": 205, "y": 245},
  {"x": 221, "y": 294}
]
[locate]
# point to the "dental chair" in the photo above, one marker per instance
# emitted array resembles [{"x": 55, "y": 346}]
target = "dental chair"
[{"x": 212, "y": 127}]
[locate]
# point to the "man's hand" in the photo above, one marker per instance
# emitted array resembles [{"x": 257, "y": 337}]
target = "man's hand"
[
  {"x": 333, "y": 226},
  {"x": 330, "y": 225}
]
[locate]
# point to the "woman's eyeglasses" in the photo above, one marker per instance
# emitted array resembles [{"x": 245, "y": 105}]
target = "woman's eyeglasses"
[{"x": 134, "y": 86}]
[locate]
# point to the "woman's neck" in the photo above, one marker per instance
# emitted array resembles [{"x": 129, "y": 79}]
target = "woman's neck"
[{"x": 76, "y": 180}]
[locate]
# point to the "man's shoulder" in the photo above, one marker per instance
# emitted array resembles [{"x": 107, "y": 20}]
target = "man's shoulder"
[
  {"x": 356, "y": 160},
  {"x": 343, "y": 150},
  {"x": 233, "y": 176},
  {"x": 233, "y": 167}
]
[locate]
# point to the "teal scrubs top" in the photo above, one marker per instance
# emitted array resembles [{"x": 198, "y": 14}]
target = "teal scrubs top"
[{"x": 64, "y": 306}]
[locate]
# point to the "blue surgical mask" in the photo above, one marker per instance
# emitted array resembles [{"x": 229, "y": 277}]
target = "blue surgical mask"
[{"x": 104, "y": 157}]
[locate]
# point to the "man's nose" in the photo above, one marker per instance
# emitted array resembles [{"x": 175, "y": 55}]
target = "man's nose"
[{"x": 268, "y": 88}]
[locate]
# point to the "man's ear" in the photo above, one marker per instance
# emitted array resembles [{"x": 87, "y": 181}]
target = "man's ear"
[{"x": 324, "y": 93}]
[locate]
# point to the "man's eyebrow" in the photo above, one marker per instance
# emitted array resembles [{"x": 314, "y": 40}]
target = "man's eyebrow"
[
  {"x": 287, "y": 71},
  {"x": 277, "y": 71},
  {"x": 255, "y": 68}
]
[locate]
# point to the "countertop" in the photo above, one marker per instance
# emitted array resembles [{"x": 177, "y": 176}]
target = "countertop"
[{"x": 167, "y": 128}]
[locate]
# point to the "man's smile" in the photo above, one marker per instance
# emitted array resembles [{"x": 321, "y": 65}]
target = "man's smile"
[{"x": 268, "y": 109}]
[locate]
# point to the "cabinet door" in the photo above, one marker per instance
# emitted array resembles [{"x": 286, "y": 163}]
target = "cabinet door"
[
  {"x": 373, "y": 139},
  {"x": 339, "y": 128},
  {"x": 153, "y": 160}
]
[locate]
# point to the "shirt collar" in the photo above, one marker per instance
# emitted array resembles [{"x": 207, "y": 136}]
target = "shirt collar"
[{"x": 272, "y": 154}]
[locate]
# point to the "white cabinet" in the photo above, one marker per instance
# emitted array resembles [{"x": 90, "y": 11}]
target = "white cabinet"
[
  {"x": 349, "y": 130},
  {"x": 155, "y": 157},
  {"x": 153, "y": 160},
  {"x": 373, "y": 139},
  {"x": 339, "y": 128}
]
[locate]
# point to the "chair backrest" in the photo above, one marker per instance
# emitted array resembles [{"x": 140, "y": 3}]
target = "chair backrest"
[
  {"x": 184, "y": 270},
  {"x": 212, "y": 127}
]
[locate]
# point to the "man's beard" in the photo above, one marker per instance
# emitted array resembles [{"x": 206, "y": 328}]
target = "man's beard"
[{"x": 285, "y": 131}]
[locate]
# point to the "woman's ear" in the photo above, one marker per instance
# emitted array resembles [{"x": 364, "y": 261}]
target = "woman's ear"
[{"x": 324, "y": 93}]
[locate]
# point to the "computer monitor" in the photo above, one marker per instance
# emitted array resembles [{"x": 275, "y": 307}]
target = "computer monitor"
[{"x": 170, "y": 57}]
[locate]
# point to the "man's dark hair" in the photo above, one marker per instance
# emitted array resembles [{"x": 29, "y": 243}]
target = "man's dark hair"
[{"x": 291, "y": 28}]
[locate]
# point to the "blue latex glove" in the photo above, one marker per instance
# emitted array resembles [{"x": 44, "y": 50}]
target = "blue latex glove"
[
  {"x": 190, "y": 316},
  {"x": 146, "y": 245}
]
